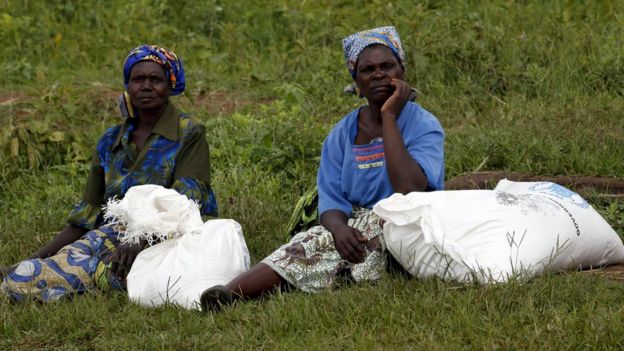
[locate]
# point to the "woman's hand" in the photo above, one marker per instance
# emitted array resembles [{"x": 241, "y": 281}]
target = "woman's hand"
[
  {"x": 394, "y": 105},
  {"x": 350, "y": 244},
  {"x": 122, "y": 259},
  {"x": 349, "y": 241}
]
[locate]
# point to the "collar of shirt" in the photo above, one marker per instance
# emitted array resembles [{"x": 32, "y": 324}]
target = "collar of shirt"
[{"x": 166, "y": 126}]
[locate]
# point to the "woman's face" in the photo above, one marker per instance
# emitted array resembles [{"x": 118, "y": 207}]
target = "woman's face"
[
  {"x": 375, "y": 67},
  {"x": 148, "y": 86}
]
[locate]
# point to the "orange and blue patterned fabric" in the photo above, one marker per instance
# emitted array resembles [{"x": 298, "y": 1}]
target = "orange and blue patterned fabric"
[{"x": 355, "y": 43}]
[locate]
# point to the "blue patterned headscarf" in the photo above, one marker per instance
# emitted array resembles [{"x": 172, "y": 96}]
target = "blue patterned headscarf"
[
  {"x": 355, "y": 43},
  {"x": 164, "y": 57}
]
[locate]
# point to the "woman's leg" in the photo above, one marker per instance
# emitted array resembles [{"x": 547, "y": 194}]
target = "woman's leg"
[
  {"x": 257, "y": 281},
  {"x": 289, "y": 265},
  {"x": 309, "y": 262},
  {"x": 71, "y": 270}
]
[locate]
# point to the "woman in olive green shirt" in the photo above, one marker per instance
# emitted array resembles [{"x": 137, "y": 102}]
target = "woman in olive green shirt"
[{"x": 156, "y": 144}]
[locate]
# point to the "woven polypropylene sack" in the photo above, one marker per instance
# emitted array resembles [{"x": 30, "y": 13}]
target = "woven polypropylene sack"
[
  {"x": 519, "y": 229},
  {"x": 177, "y": 271}
]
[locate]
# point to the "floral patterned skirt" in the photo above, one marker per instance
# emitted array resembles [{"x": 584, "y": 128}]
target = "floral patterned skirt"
[
  {"x": 310, "y": 261},
  {"x": 76, "y": 268}
]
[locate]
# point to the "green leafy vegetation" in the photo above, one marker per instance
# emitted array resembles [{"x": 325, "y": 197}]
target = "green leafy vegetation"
[{"x": 518, "y": 86}]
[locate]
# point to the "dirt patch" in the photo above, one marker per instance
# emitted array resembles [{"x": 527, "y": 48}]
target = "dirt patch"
[
  {"x": 613, "y": 272},
  {"x": 109, "y": 95},
  {"x": 11, "y": 98},
  {"x": 13, "y": 102},
  {"x": 488, "y": 180},
  {"x": 215, "y": 102},
  {"x": 222, "y": 102}
]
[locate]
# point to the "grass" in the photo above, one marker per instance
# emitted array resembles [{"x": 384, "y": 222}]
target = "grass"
[
  {"x": 518, "y": 86},
  {"x": 395, "y": 314}
]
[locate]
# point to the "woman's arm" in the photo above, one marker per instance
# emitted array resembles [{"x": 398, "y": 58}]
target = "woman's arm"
[
  {"x": 68, "y": 235},
  {"x": 65, "y": 237},
  {"x": 192, "y": 171},
  {"x": 405, "y": 173}
]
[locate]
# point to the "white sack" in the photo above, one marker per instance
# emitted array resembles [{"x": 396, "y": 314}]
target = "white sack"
[
  {"x": 519, "y": 229},
  {"x": 152, "y": 212},
  {"x": 193, "y": 256},
  {"x": 177, "y": 271}
]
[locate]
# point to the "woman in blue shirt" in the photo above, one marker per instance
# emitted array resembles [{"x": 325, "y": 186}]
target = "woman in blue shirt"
[{"x": 390, "y": 145}]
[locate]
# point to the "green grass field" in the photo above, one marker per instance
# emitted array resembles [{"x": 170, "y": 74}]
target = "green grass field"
[{"x": 525, "y": 86}]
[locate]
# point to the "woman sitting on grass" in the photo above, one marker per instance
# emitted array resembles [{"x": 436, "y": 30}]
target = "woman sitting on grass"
[
  {"x": 390, "y": 145},
  {"x": 156, "y": 144}
]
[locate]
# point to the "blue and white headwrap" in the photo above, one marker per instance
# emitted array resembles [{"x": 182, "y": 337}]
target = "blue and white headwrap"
[{"x": 355, "y": 43}]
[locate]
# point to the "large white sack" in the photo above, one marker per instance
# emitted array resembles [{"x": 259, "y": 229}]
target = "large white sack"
[
  {"x": 191, "y": 257},
  {"x": 519, "y": 229},
  {"x": 178, "y": 270}
]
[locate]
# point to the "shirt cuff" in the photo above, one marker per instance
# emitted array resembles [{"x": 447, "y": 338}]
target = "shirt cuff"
[
  {"x": 198, "y": 191},
  {"x": 84, "y": 215}
]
